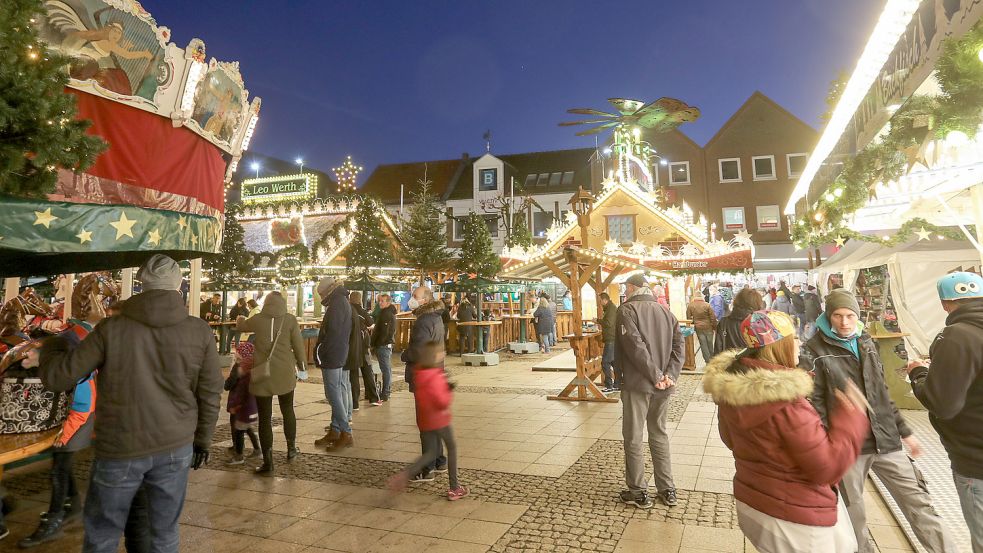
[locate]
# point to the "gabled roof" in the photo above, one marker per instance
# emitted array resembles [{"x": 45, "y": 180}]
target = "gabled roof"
[
  {"x": 757, "y": 96},
  {"x": 577, "y": 161},
  {"x": 384, "y": 182}
]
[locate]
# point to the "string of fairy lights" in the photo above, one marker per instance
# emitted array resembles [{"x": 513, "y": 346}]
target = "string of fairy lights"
[{"x": 347, "y": 174}]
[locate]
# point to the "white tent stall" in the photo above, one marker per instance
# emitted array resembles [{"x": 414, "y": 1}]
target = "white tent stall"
[{"x": 913, "y": 268}]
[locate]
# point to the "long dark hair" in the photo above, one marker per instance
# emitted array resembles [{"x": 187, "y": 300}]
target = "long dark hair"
[{"x": 748, "y": 300}]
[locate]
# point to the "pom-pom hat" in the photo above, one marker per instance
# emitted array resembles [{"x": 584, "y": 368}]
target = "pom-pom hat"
[{"x": 762, "y": 328}]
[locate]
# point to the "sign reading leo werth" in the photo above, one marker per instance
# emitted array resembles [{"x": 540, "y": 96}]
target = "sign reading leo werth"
[{"x": 278, "y": 189}]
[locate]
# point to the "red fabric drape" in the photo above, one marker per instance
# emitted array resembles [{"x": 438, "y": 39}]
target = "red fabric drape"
[{"x": 146, "y": 150}]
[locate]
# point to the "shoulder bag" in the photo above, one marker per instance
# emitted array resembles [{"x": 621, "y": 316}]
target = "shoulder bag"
[{"x": 261, "y": 370}]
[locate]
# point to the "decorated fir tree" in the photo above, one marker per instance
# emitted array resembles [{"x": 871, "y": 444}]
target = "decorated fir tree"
[
  {"x": 519, "y": 235},
  {"x": 424, "y": 234},
  {"x": 370, "y": 246},
  {"x": 234, "y": 262},
  {"x": 38, "y": 128},
  {"x": 478, "y": 256}
]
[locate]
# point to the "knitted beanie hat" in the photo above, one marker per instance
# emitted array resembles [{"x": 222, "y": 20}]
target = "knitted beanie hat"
[
  {"x": 839, "y": 299},
  {"x": 762, "y": 328}
]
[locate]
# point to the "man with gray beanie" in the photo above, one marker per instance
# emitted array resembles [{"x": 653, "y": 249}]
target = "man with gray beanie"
[
  {"x": 159, "y": 386},
  {"x": 843, "y": 351},
  {"x": 648, "y": 352}
]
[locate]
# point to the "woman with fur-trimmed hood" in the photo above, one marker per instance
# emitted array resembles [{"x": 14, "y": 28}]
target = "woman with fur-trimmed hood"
[{"x": 787, "y": 463}]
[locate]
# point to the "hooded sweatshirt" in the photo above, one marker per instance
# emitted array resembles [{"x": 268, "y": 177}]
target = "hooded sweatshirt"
[
  {"x": 787, "y": 462},
  {"x": 159, "y": 378}
]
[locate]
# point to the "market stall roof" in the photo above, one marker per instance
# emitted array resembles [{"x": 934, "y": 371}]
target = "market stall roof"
[{"x": 539, "y": 266}]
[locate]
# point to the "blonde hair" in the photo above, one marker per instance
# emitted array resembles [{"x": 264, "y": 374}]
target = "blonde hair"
[{"x": 781, "y": 352}]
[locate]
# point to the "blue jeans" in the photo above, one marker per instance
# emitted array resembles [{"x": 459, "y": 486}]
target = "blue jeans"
[
  {"x": 970, "y": 492},
  {"x": 337, "y": 392},
  {"x": 111, "y": 491},
  {"x": 607, "y": 365},
  {"x": 384, "y": 354}
]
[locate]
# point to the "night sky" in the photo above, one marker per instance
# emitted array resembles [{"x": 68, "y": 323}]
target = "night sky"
[{"x": 394, "y": 81}]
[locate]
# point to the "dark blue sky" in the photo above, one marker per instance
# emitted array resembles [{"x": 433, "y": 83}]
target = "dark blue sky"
[{"x": 390, "y": 81}]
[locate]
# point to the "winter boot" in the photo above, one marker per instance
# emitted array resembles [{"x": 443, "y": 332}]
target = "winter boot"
[
  {"x": 49, "y": 529},
  {"x": 345, "y": 440},
  {"x": 328, "y": 439},
  {"x": 266, "y": 469},
  {"x": 73, "y": 509},
  {"x": 292, "y": 451}
]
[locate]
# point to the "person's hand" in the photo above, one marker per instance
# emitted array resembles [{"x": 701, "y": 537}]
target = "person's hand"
[
  {"x": 200, "y": 457},
  {"x": 240, "y": 319},
  {"x": 916, "y": 363},
  {"x": 914, "y": 446},
  {"x": 32, "y": 360}
]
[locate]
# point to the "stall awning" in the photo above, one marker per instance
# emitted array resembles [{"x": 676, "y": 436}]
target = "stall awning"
[{"x": 539, "y": 267}]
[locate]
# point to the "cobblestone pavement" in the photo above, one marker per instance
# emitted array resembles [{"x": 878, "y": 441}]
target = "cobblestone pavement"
[{"x": 544, "y": 476}]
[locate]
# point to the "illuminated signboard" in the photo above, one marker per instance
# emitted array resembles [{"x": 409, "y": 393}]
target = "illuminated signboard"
[{"x": 280, "y": 188}]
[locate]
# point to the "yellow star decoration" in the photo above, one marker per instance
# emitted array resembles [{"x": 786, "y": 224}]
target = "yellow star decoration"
[
  {"x": 124, "y": 227},
  {"x": 154, "y": 237},
  {"x": 44, "y": 218},
  {"x": 840, "y": 241},
  {"x": 923, "y": 234},
  {"x": 182, "y": 222},
  {"x": 194, "y": 240},
  {"x": 84, "y": 236}
]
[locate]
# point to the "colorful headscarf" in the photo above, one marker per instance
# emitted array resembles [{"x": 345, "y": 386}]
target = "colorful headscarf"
[{"x": 762, "y": 328}]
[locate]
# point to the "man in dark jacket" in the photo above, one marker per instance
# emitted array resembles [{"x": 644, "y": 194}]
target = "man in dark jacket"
[
  {"x": 842, "y": 351},
  {"x": 383, "y": 334},
  {"x": 649, "y": 353},
  {"x": 427, "y": 328},
  {"x": 798, "y": 308},
  {"x": 159, "y": 387},
  {"x": 609, "y": 324},
  {"x": 211, "y": 309},
  {"x": 952, "y": 391},
  {"x": 331, "y": 354},
  {"x": 466, "y": 313},
  {"x": 359, "y": 359}
]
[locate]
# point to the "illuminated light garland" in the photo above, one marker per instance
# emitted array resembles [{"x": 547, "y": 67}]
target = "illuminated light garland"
[
  {"x": 310, "y": 183},
  {"x": 346, "y": 175}
]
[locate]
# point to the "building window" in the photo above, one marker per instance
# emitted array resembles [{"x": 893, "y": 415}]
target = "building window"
[
  {"x": 543, "y": 179},
  {"x": 492, "y": 222},
  {"x": 488, "y": 179},
  {"x": 621, "y": 228},
  {"x": 733, "y": 219},
  {"x": 679, "y": 173},
  {"x": 764, "y": 167},
  {"x": 541, "y": 221},
  {"x": 530, "y": 181},
  {"x": 459, "y": 227},
  {"x": 769, "y": 218},
  {"x": 567, "y": 179},
  {"x": 796, "y": 164},
  {"x": 555, "y": 179},
  {"x": 730, "y": 169}
]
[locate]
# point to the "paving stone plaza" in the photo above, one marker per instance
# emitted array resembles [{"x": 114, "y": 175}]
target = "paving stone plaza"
[{"x": 544, "y": 476}]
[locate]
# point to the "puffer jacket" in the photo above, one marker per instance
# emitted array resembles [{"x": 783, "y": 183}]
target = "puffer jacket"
[
  {"x": 336, "y": 328},
  {"x": 649, "y": 344},
  {"x": 428, "y": 327},
  {"x": 729, "y": 331},
  {"x": 787, "y": 462},
  {"x": 274, "y": 324},
  {"x": 832, "y": 361},
  {"x": 952, "y": 389},
  {"x": 159, "y": 381}
]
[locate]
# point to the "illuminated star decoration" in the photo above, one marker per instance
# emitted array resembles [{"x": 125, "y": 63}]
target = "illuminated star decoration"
[
  {"x": 84, "y": 236},
  {"x": 124, "y": 227},
  {"x": 154, "y": 237},
  {"x": 840, "y": 241},
  {"x": 923, "y": 234},
  {"x": 44, "y": 218},
  {"x": 346, "y": 175}
]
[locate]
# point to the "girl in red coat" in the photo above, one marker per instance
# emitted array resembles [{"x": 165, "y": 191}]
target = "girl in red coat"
[
  {"x": 787, "y": 463},
  {"x": 433, "y": 416}
]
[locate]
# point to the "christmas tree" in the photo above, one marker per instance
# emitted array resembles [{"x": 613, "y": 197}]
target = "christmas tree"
[
  {"x": 424, "y": 233},
  {"x": 370, "y": 247},
  {"x": 520, "y": 234},
  {"x": 478, "y": 257},
  {"x": 38, "y": 128},
  {"x": 234, "y": 262}
]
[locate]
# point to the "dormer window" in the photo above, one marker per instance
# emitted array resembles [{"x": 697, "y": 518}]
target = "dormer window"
[{"x": 488, "y": 179}]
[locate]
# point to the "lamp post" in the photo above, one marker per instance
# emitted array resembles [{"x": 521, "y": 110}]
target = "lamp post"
[
  {"x": 300, "y": 161},
  {"x": 255, "y": 167}
]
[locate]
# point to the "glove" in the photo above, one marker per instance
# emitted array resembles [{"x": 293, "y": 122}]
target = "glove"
[{"x": 200, "y": 457}]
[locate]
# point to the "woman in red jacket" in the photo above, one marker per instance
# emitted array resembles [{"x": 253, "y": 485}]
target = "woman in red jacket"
[{"x": 787, "y": 463}]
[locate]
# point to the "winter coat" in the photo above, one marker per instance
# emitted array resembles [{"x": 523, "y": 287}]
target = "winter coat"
[
  {"x": 729, "y": 331},
  {"x": 798, "y": 303},
  {"x": 787, "y": 462},
  {"x": 289, "y": 355},
  {"x": 241, "y": 403},
  {"x": 433, "y": 399},
  {"x": 466, "y": 312},
  {"x": 718, "y": 305},
  {"x": 813, "y": 306},
  {"x": 76, "y": 431},
  {"x": 783, "y": 304},
  {"x": 237, "y": 312},
  {"x": 428, "y": 327},
  {"x": 702, "y": 314},
  {"x": 609, "y": 323},
  {"x": 357, "y": 343},
  {"x": 648, "y": 345},
  {"x": 832, "y": 361},
  {"x": 209, "y": 311},
  {"x": 952, "y": 389},
  {"x": 545, "y": 320},
  {"x": 384, "y": 332},
  {"x": 335, "y": 332},
  {"x": 159, "y": 380}
]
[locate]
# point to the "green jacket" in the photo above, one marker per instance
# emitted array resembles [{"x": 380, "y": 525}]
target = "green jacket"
[
  {"x": 609, "y": 322},
  {"x": 290, "y": 353}
]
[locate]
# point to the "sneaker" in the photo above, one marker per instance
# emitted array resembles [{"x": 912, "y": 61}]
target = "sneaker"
[
  {"x": 376, "y": 403},
  {"x": 457, "y": 493},
  {"x": 355, "y": 408},
  {"x": 235, "y": 460},
  {"x": 668, "y": 497},
  {"x": 397, "y": 482},
  {"x": 608, "y": 389},
  {"x": 3, "y": 531},
  {"x": 48, "y": 529},
  {"x": 422, "y": 477},
  {"x": 440, "y": 468},
  {"x": 639, "y": 499}
]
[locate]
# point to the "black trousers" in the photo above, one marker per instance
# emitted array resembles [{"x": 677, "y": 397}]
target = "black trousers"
[
  {"x": 62, "y": 481},
  {"x": 264, "y": 405},
  {"x": 371, "y": 393}
]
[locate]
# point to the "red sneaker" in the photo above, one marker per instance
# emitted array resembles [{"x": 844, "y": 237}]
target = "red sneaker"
[{"x": 457, "y": 493}]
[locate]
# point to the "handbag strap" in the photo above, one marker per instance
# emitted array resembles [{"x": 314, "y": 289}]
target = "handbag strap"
[{"x": 274, "y": 338}]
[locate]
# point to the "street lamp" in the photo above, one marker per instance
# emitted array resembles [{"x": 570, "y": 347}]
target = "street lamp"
[
  {"x": 300, "y": 161},
  {"x": 255, "y": 166}
]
